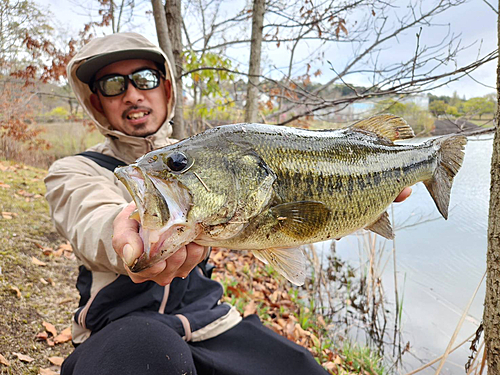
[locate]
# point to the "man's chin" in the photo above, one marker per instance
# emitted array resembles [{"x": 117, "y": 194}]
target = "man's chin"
[{"x": 141, "y": 130}]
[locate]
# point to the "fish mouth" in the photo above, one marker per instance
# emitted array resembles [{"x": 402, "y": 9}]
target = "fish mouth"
[{"x": 163, "y": 207}]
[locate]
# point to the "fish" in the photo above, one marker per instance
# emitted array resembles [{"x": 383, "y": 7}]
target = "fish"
[{"x": 272, "y": 189}]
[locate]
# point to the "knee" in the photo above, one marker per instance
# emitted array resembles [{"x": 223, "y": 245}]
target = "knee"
[{"x": 134, "y": 345}]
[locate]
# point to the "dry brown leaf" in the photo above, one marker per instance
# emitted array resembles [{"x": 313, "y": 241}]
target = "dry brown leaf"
[
  {"x": 231, "y": 268},
  {"x": 50, "y": 341},
  {"x": 338, "y": 360},
  {"x": 250, "y": 309},
  {"x": 274, "y": 296},
  {"x": 50, "y": 328},
  {"x": 5, "y": 186},
  {"x": 46, "y": 371},
  {"x": 65, "y": 246},
  {"x": 37, "y": 262},
  {"x": 16, "y": 290},
  {"x": 329, "y": 366},
  {"x": 7, "y": 215},
  {"x": 64, "y": 336},
  {"x": 281, "y": 322},
  {"x": 23, "y": 357},
  {"x": 4, "y": 361},
  {"x": 42, "y": 336},
  {"x": 25, "y": 193},
  {"x": 43, "y": 281},
  {"x": 56, "y": 360}
]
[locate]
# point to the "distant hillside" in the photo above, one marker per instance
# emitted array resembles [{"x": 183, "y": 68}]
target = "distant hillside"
[{"x": 446, "y": 126}]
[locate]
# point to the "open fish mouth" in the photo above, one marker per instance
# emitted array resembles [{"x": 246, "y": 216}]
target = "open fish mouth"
[{"x": 163, "y": 206}]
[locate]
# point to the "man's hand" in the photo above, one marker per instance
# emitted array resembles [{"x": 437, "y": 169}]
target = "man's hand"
[{"x": 128, "y": 245}]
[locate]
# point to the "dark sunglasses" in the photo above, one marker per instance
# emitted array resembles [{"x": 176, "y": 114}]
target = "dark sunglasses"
[{"x": 116, "y": 84}]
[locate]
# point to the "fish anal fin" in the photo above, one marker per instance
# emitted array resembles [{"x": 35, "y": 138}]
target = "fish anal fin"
[
  {"x": 382, "y": 226},
  {"x": 289, "y": 262},
  {"x": 386, "y": 126},
  {"x": 301, "y": 220}
]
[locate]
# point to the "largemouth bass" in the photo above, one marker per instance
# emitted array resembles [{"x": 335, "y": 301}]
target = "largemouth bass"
[{"x": 271, "y": 189}]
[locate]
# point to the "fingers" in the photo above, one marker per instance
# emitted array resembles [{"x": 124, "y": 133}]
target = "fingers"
[
  {"x": 126, "y": 240},
  {"x": 179, "y": 264},
  {"x": 403, "y": 195}
]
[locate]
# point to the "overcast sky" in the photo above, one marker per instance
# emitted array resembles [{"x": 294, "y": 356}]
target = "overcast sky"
[{"x": 475, "y": 21}]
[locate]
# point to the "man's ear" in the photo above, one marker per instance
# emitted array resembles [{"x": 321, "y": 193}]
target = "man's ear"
[
  {"x": 96, "y": 103},
  {"x": 168, "y": 89}
]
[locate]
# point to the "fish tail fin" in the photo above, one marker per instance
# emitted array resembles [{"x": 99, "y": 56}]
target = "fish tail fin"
[{"x": 450, "y": 158}]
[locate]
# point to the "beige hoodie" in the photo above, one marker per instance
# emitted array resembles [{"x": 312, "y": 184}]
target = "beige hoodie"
[{"x": 84, "y": 198}]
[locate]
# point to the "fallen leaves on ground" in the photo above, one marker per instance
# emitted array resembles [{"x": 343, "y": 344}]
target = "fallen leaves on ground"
[
  {"x": 16, "y": 291},
  {"x": 63, "y": 249},
  {"x": 54, "y": 338},
  {"x": 37, "y": 262},
  {"x": 4, "y": 361},
  {"x": 23, "y": 357},
  {"x": 64, "y": 336},
  {"x": 50, "y": 328},
  {"x": 46, "y": 371},
  {"x": 56, "y": 360},
  {"x": 279, "y": 304},
  {"x": 8, "y": 215}
]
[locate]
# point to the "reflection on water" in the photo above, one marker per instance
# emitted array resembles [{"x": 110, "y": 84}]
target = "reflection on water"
[{"x": 439, "y": 262}]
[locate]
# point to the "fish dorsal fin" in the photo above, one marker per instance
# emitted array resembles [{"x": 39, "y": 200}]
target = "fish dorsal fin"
[
  {"x": 289, "y": 262},
  {"x": 382, "y": 226},
  {"x": 301, "y": 220},
  {"x": 387, "y": 126}
]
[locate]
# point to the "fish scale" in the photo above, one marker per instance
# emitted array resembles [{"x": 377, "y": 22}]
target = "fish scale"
[{"x": 270, "y": 189}]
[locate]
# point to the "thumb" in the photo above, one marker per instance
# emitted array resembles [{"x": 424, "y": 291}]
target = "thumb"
[{"x": 127, "y": 242}]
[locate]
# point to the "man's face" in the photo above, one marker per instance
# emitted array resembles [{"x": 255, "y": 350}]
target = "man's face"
[{"x": 134, "y": 112}]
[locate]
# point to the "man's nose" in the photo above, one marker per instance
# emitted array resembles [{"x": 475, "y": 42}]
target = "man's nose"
[{"x": 133, "y": 95}]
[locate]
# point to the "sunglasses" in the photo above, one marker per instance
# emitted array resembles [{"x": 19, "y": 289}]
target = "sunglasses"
[{"x": 116, "y": 84}]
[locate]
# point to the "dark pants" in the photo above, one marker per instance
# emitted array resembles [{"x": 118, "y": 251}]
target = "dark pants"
[{"x": 141, "y": 345}]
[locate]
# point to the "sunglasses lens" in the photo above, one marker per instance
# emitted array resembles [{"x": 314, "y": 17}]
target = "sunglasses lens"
[
  {"x": 145, "y": 79},
  {"x": 112, "y": 86}
]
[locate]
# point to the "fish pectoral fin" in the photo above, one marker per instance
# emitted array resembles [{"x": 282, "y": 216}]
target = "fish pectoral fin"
[
  {"x": 289, "y": 262},
  {"x": 301, "y": 220},
  {"x": 387, "y": 126},
  {"x": 382, "y": 226},
  {"x": 135, "y": 216}
]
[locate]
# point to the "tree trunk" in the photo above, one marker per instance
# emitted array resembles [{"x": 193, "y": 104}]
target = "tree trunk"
[
  {"x": 491, "y": 317},
  {"x": 164, "y": 33},
  {"x": 251, "y": 108},
  {"x": 174, "y": 19}
]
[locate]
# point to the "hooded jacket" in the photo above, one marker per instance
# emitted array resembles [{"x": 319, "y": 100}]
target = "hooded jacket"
[{"x": 84, "y": 200}]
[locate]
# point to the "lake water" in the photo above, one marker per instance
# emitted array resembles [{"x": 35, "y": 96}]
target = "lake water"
[{"x": 439, "y": 262}]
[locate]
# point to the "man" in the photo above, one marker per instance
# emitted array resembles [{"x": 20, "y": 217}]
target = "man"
[{"x": 167, "y": 319}]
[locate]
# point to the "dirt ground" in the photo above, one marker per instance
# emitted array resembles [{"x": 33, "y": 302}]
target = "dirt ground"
[{"x": 37, "y": 275}]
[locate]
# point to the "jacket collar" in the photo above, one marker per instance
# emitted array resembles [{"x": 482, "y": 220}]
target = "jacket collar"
[{"x": 131, "y": 148}]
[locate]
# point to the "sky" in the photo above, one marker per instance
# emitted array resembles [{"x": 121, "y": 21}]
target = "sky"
[{"x": 475, "y": 22}]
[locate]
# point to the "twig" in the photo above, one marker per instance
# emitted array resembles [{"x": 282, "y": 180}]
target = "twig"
[{"x": 459, "y": 326}]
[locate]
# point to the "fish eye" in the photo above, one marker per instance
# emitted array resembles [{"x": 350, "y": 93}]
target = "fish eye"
[{"x": 177, "y": 161}]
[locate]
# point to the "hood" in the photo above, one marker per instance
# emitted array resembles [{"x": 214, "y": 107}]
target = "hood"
[{"x": 120, "y": 142}]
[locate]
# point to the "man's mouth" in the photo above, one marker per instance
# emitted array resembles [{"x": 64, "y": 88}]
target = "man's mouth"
[{"x": 137, "y": 115}]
